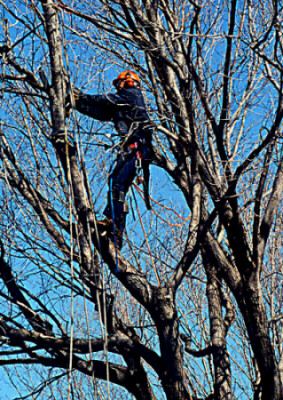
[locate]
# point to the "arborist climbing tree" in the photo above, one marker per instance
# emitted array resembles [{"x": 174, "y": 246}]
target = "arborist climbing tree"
[{"x": 126, "y": 109}]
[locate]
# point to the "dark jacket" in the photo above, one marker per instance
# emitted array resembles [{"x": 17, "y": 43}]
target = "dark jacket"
[{"x": 126, "y": 109}]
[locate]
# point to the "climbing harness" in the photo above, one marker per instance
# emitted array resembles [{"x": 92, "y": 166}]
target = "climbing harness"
[{"x": 138, "y": 163}]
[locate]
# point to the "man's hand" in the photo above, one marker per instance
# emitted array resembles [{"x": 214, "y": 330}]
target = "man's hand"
[{"x": 70, "y": 102}]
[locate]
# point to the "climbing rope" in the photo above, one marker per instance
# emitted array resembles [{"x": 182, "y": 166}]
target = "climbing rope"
[
  {"x": 146, "y": 240},
  {"x": 113, "y": 219},
  {"x": 72, "y": 269},
  {"x": 71, "y": 213},
  {"x": 140, "y": 191},
  {"x": 88, "y": 198}
]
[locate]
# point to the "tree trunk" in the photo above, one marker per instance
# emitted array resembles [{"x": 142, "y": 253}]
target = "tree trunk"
[
  {"x": 257, "y": 324},
  {"x": 218, "y": 331},
  {"x": 171, "y": 349}
]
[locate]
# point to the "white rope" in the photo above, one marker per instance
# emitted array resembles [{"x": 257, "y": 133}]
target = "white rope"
[{"x": 88, "y": 198}]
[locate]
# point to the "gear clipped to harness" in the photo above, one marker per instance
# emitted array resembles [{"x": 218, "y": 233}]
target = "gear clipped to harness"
[
  {"x": 138, "y": 163},
  {"x": 142, "y": 173}
]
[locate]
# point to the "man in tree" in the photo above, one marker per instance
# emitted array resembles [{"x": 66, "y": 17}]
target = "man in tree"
[{"x": 126, "y": 109}]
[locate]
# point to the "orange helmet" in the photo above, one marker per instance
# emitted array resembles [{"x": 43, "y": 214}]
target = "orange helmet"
[{"x": 131, "y": 79}]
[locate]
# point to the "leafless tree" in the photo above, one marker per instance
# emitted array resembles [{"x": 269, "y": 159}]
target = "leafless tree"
[{"x": 191, "y": 308}]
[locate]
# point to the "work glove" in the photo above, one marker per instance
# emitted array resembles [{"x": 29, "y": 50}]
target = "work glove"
[{"x": 70, "y": 103}]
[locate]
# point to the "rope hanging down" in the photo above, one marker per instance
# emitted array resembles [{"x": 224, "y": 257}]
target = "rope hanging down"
[
  {"x": 114, "y": 230},
  {"x": 146, "y": 240},
  {"x": 77, "y": 143},
  {"x": 165, "y": 207},
  {"x": 65, "y": 8}
]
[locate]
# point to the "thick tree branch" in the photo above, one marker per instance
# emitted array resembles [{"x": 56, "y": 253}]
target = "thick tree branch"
[
  {"x": 271, "y": 210},
  {"x": 35, "y": 320}
]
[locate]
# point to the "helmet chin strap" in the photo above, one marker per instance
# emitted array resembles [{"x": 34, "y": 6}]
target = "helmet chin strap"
[{"x": 127, "y": 84}]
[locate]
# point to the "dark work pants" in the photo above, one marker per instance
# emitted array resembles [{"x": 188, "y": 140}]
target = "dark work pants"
[{"x": 120, "y": 180}]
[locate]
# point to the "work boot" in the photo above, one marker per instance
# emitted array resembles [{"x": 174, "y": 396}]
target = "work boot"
[{"x": 105, "y": 228}]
